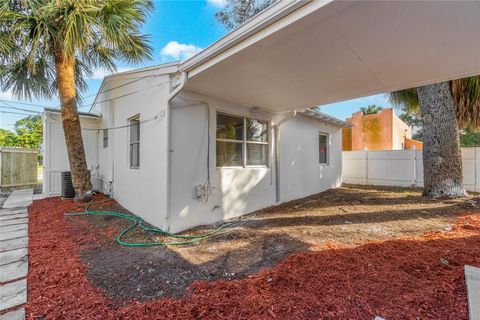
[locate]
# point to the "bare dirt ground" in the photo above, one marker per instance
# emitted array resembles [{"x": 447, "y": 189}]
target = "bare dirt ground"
[{"x": 346, "y": 217}]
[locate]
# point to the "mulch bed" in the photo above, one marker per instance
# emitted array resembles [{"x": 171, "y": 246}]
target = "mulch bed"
[{"x": 415, "y": 277}]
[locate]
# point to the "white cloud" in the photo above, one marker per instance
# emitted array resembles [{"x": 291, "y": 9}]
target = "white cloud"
[
  {"x": 99, "y": 74},
  {"x": 178, "y": 51},
  {"x": 217, "y": 3}
]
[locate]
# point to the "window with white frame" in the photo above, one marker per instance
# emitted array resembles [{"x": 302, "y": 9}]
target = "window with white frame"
[
  {"x": 105, "y": 138},
  {"x": 241, "y": 141},
  {"x": 134, "y": 142},
  {"x": 323, "y": 148}
]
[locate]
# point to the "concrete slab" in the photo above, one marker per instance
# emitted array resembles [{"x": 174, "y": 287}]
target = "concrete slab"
[
  {"x": 472, "y": 278},
  {"x": 18, "y": 314},
  {"x": 13, "y": 271},
  {"x": 19, "y": 198},
  {"x": 13, "y": 216},
  {"x": 13, "y": 255},
  {"x": 13, "y": 294},
  {"x": 12, "y": 222},
  {"x": 14, "y": 227},
  {"x": 13, "y": 234},
  {"x": 39, "y": 196},
  {"x": 7, "y": 212},
  {"x": 13, "y": 244}
]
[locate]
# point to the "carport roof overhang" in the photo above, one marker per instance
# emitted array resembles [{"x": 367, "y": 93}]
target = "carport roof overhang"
[{"x": 302, "y": 54}]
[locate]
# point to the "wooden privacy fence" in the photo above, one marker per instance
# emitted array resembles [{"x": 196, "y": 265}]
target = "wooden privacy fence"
[
  {"x": 18, "y": 168},
  {"x": 402, "y": 168}
]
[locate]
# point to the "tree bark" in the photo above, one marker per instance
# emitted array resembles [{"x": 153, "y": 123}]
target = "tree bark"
[
  {"x": 442, "y": 158},
  {"x": 65, "y": 69}
]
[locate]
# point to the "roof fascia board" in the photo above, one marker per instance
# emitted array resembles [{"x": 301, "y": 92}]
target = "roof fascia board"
[
  {"x": 326, "y": 118},
  {"x": 167, "y": 68},
  {"x": 80, "y": 114},
  {"x": 269, "y": 16}
]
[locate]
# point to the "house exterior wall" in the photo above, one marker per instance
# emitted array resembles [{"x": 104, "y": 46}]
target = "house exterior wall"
[
  {"x": 55, "y": 158},
  {"x": 301, "y": 172},
  {"x": 234, "y": 191},
  {"x": 237, "y": 191},
  {"x": 143, "y": 190}
]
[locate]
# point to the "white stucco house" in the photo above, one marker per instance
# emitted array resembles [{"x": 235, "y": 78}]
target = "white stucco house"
[{"x": 231, "y": 130}]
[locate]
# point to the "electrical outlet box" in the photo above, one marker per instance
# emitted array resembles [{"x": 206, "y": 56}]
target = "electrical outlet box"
[{"x": 203, "y": 192}]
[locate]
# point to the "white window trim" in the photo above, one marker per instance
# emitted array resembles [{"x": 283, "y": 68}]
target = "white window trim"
[
  {"x": 130, "y": 142},
  {"x": 244, "y": 142},
  {"x": 327, "y": 135}
]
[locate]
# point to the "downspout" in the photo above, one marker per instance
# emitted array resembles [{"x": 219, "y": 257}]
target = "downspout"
[
  {"x": 171, "y": 95},
  {"x": 277, "y": 153}
]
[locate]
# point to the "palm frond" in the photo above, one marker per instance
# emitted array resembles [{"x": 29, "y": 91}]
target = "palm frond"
[
  {"x": 405, "y": 100},
  {"x": 466, "y": 100}
]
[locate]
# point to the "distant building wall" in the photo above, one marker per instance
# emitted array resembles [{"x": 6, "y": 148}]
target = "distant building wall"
[
  {"x": 400, "y": 132},
  {"x": 347, "y": 139},
  {"x": 410, "y": 143},
  {"x": 380, "y": 131}
]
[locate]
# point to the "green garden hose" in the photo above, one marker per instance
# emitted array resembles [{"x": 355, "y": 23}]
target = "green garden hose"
[{"x": 137, "y": 221}]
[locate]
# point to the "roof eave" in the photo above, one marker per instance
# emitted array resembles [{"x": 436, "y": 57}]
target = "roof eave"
[
  {"x": 325, "y": 117},
  {"x": 273, "y": 13}
]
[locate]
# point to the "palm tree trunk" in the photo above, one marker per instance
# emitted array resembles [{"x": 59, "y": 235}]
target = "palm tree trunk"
[
  {"x": 65, "y": 69},
  {"x": 442, "y": 158}
]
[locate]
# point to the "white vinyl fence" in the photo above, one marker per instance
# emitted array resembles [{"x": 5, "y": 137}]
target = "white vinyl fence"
[{"x": 402, "y": 168}]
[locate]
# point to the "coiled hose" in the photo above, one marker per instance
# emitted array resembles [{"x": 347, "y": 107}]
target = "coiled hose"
[{"x": 138, "y": 222}]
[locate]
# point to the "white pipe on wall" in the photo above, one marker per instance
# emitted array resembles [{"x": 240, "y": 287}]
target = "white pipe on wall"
[
  {"x": 277, "y": 153},
  {"x": 173, "y": 94}
]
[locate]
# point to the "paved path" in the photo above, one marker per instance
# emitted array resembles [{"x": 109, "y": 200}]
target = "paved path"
[
  {"x": 14, "y": 254},
  {"x": 472, "y": 277}
]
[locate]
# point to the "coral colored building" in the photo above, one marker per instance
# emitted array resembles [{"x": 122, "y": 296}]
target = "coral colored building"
[{"x": 380, "y": 131}]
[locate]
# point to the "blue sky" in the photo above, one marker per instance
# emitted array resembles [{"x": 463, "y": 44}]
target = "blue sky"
[{"x": 178, "y": 30}]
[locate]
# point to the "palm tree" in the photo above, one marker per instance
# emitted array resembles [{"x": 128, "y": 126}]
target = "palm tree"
[
  {"x": 444, "y": 108},
  {"x": 50, "y": 46},
  {"x": 371, "y": 109}
]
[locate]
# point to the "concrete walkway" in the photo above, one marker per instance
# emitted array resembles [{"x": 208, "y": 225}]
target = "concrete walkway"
[
  {"x": 14, "y": 253},
  {"x": 472, "y": 277}
]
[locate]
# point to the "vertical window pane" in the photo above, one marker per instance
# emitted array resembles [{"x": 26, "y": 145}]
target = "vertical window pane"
[
  {"x": 134, "y": 130},
  {"x": 323, "y": 148},
  {"x": 135, "y": 155},
  {"x": 229, "y": 127},
  {"x": 105, "y": 138},
  {"x": 135, "y": 143},
  {"x": 257, "y": 130},
  {"x": 257, "y": 154},
  {"x": 229, "y": 154}
]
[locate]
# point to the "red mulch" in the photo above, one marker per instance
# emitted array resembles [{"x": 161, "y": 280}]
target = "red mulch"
[{"x": 400, "y": 279}]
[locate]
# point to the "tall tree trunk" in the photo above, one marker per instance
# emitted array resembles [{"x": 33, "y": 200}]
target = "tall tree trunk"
[
  {"x": 65, "y": 69},
  {"x": 442, "y": 158}
]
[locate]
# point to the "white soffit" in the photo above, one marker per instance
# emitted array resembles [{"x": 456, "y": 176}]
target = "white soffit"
[{"x": 326, "y": 52}]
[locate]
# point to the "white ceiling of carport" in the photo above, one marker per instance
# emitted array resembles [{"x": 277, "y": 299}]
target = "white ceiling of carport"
[{"x": 345, "y": 50}]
